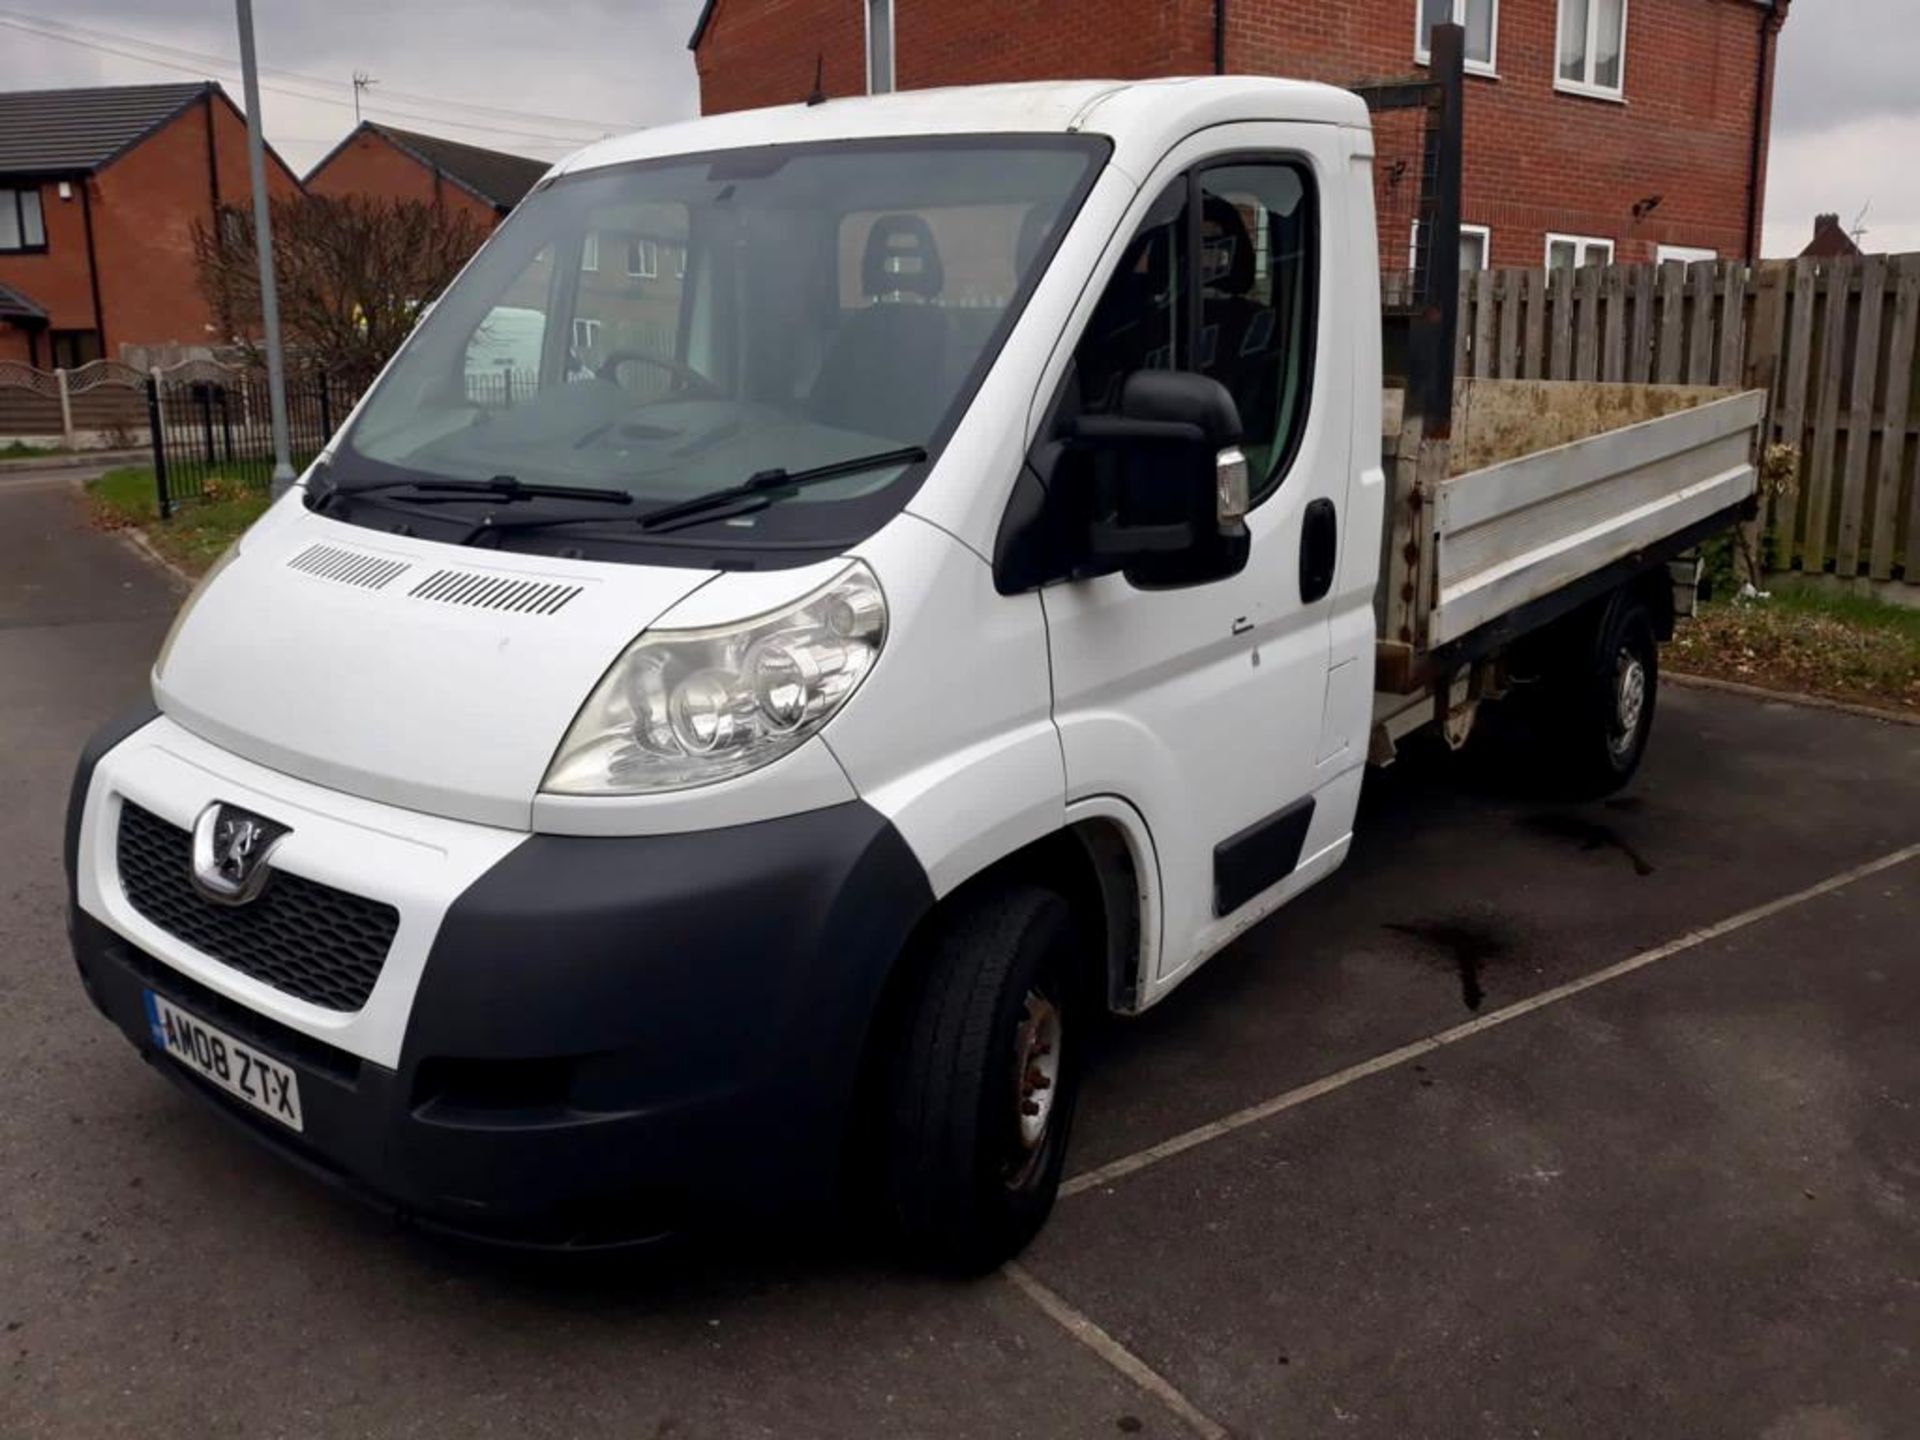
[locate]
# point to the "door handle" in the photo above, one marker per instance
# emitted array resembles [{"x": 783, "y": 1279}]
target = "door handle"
[{"x": 1319, "y": 550}]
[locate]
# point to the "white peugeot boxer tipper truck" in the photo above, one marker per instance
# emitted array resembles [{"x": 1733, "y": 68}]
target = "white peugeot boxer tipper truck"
[{"x": 943, "y": 580}]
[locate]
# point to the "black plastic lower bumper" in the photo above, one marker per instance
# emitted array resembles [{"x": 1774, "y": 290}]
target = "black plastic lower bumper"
[{"x": 611, "y": 1036}]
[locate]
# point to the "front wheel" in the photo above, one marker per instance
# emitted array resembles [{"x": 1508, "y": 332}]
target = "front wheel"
[{"x": 984, "y": 1079}]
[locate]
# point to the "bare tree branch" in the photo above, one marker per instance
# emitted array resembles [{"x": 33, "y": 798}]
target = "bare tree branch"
[{"x": 354, "y": 274}]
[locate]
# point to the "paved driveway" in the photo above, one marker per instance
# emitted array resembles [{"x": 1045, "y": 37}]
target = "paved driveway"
[{"x": 1593, "y": 1122}]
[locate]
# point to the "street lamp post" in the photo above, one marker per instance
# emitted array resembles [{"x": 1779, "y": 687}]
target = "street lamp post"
[{"x": 283, "y": 476}]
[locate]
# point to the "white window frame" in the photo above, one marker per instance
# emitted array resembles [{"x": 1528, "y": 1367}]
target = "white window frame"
[
  {"x": 1685, "y": 254},
  {"x": 878, "y": 85},
  {"x": 1423, "y": 53},
  {"x": 646, "y": 254},
  {"x": 1587, "y": 87},
  {"x": 1485, "y": 232},
  {"x": 590, "y": 251},
  {"x": 1583, "y": 246},
  {"x": 587, "y": 326}
]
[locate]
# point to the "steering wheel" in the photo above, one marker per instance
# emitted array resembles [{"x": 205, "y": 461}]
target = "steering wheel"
[{"x": 691, "y": 380}]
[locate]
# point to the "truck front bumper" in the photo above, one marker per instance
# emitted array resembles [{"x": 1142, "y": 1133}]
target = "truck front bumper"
[{"x": 596, "y": 1041}]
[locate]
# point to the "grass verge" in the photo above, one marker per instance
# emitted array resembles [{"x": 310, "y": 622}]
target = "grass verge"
[
  {"x": 19, "y": 450},
  {"x": 1810, "y": 640},
  {"x": 199, "y": 531}
]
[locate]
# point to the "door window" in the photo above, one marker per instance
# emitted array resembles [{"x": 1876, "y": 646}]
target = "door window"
[
  {"x": 1242, "y": 315},
  {"x": 1256, "y": 304},
  {"x": 1140, "y": 317}
]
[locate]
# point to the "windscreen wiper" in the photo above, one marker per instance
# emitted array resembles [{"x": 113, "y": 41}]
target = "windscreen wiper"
[
  {"x": 750, "y": 496},
  {"x": 766, "y": 485},
  {"x": 500, "y": 487}
]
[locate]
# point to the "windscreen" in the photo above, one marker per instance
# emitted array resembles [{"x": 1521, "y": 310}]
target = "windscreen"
[{"x": 675, "y": 327}]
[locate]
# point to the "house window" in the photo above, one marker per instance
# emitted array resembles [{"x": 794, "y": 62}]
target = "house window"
[
  {"x": 879, "y": 47},
  {"x": 1685, "y": 254},
  {"x": 1570, "y": 252},
  {"x": 74, "y": 348},
  {"x": 1476, "y": 247},
  {"x": 1593, "y": 45},
  {"x": 1481, "y": 18},
  {"x": 22, "y": 227},
  {"x": 590, "y": 251},
  {"x": 586, "y": 335},
  {"x": 643, "y": 259}
]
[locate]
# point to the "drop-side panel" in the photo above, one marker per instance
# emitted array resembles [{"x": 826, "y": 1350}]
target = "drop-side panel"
[{"x": 1513, "y": 533}]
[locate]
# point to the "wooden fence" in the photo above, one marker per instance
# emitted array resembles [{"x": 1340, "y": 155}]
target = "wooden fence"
[{"x": 1833, "y": 340}]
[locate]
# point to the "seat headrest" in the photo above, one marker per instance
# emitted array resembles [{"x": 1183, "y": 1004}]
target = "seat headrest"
[
  {"x": 1228, "y": 246},
  {"x": 902, "y": 258}
]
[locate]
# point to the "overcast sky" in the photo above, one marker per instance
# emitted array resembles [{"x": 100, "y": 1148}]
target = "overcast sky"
[{"x": 544, "y": 77}]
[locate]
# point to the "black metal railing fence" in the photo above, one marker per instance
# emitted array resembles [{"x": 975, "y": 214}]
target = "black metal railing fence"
[{"x": 213, "y": 432}]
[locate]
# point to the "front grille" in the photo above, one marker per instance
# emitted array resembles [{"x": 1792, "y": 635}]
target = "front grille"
[
  {"x": 249, "y": 1025},
  {"x": 317, "y": 943}
]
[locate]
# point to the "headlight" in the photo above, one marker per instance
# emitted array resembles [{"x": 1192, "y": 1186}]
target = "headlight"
[{"x": 688, "y": 707}]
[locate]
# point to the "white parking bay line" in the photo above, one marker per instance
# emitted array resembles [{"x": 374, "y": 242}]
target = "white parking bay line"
[
  {"x": 1113, "y": 1352},
  {"x": 1266, "y": 1109}
]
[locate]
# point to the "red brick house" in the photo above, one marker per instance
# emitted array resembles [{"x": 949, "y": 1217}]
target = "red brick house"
[
  {"x": 1597, "y": 130},
  {"x": 391, "y": 164},
  {"x": 1830, "y": 240},
  {"x": 99, "y": 190}
]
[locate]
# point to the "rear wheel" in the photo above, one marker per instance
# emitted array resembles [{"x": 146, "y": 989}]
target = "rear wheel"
[
  {"x": 984, "y": 1079},
  {"x": 1598, "y": 710}
]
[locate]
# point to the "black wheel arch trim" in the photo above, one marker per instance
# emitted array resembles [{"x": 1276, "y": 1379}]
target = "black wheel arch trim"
[
  {"x": 742, "y": 966},
  {"x": 123, "y": 726}
]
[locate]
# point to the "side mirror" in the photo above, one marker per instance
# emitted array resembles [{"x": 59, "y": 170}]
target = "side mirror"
[{"x": 1168, "y": 484}]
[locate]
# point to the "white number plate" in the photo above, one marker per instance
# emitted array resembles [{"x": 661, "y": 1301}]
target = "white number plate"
[{"x": 233, "y": 1065}]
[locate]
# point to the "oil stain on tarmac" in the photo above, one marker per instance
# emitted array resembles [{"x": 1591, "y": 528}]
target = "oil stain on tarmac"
[
  {"x": 1469, "y": 943},
  {"x": 1587, "y": 834}
]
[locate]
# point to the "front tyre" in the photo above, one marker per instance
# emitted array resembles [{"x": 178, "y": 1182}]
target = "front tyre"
[{"x": 983, "y": 1082}]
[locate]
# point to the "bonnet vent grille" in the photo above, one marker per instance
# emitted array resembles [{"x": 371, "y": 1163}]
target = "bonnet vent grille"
[
  {"x": 347, "y": 567},
  {"x": 494, "y": 592}
]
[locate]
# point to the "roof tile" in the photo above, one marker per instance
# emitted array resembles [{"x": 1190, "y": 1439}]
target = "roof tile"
[
  {"x": 55, "y": 131},
  {"x": 495, "y": 176}
]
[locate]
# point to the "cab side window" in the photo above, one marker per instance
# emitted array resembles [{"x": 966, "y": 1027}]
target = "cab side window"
[
  {"x": 1230, "y": 297},
  {"x": 1140, "y": 321},
  {"x": 1256, "y": 304}
]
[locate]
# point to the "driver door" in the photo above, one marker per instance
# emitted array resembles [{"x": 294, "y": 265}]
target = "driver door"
[{"x": 1202, "y": 707}]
